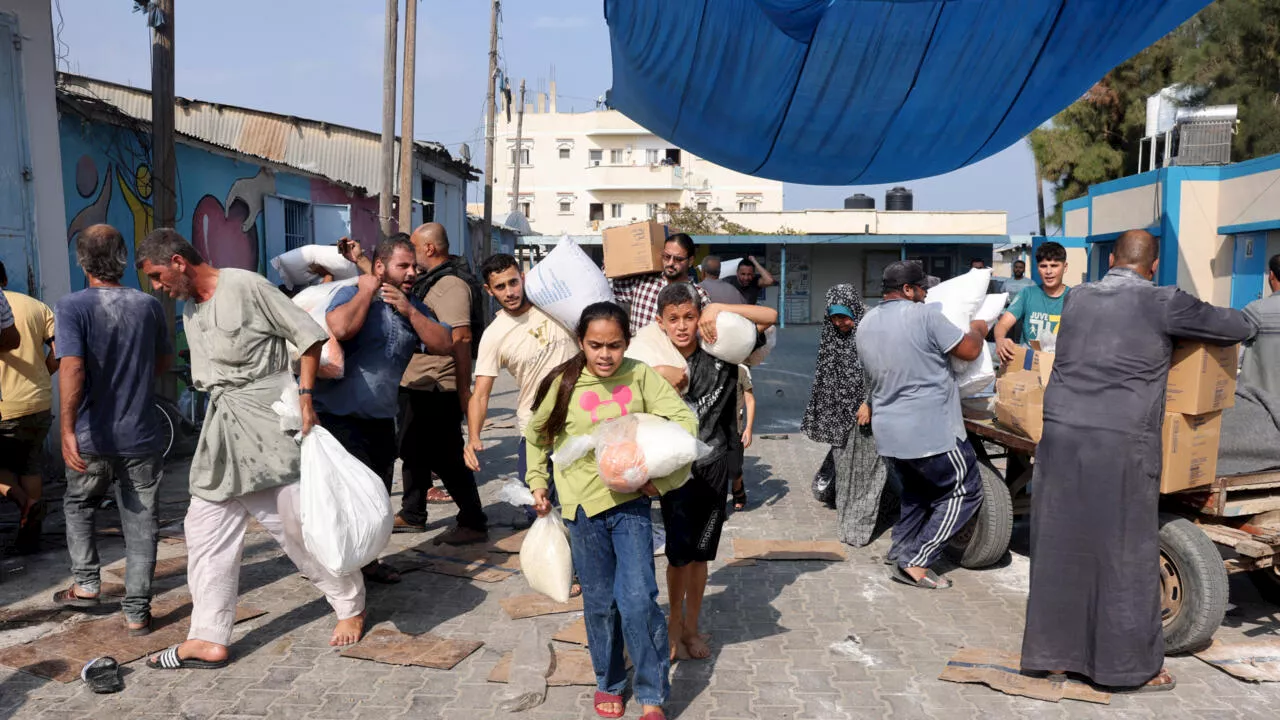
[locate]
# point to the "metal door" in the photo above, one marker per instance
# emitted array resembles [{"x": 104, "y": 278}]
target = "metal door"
[
  {"x": 1248, "y": 269},
  {"x": 17, "y": 244}
]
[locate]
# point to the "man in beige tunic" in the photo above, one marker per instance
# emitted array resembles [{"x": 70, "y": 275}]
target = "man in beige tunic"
[{"x": 237, "y": 326}]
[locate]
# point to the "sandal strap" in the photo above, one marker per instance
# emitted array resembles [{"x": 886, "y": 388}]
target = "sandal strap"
[{"x": 169, "y": 659}]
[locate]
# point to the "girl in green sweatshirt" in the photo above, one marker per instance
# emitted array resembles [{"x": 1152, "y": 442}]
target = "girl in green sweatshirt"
[{"x": 610, "y": 533}]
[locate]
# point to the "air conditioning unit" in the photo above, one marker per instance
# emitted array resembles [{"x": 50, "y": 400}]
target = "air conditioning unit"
[{"x": 595, "y": 163}]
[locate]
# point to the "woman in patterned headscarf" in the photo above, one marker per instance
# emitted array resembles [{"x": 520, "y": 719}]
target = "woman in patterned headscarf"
[{"x": 839, "y": 416}]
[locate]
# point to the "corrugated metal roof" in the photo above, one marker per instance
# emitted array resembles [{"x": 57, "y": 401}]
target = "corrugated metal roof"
[{"x": 345, "y": 154}]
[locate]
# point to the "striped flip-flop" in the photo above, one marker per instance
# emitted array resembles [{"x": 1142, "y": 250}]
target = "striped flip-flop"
[{"x": 168, "y": 660}]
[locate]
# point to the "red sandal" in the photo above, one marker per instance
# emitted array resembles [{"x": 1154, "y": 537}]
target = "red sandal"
[
  {"x": 604, "y": 697},
  {"x": 653, "y": 715}
]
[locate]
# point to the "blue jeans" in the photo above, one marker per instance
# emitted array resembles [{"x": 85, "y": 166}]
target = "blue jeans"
[
  {"x": 613, "y": 558},
  {"x": 137, "y": 482}
]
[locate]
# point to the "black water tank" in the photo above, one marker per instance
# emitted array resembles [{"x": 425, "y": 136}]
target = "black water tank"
[
  {"x": 859, "y": 202},
  {"x": 898, "y": 198}
]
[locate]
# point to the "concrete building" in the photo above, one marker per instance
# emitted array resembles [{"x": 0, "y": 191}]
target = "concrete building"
[
  {"x": 250, "y": 184},
  {"x": 1218, "y": 225},
  {"x": 31, "y": 206},
  {"x": 822, "y": 248},
  {"x": 581, "y": 172}
]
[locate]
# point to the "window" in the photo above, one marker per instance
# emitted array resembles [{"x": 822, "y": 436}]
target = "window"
[
  {"x": 651, "y": 156},
  {"x": 596, "y": 212},
  {"x": 746, "y": 206},
  {"x": 297, "y": 224},
  {"x": 702, "y": 206},
  {"x": 596, "y": 157},
  {"x": 564, "y": 153},
  {"x": 429, "y": 199},
  {"x": 673, "y": 157},
  {"x": 651, "y": 210},
  {"x": 566, "y": 207},
  {"x": 615, "y": 210},
  {"x": 526, "y": 209},
  {"x": 524, "y": 156},
  {"x": 616, "y": 157}
]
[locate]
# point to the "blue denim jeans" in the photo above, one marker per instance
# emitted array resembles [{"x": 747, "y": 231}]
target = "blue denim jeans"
[
  {"x": 613, "y": 558},
  {"x": 138, "y": 481}
]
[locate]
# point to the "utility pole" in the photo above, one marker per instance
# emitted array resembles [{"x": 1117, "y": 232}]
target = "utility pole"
[
  {"x": 486, "y": 241},
  {"x": 515, "y": 179},
  {"x": 388, "y": 121},
  {"x": 1040, "y": 196},
  {"x": 406, "y": 117},
  {"x": 164, "y": 201}
]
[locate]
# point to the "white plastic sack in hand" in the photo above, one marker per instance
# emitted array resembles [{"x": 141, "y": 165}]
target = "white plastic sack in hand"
[
  {"x": 295, "y": 266},
  {"x": 631, "y": 450},
  {"x": 545, "y": 558},
  {"x": 565, "y": 283},
  {"x": 288, "y": 407},
  {"x": 315, "y": 300},
  {"x": 960, "y": 298},
  {"x": 735, "y": 338},
  {"x": 513, "y": 492},
  {"x": 992, "y": 308},
  {"x": 346, "y": 515}
]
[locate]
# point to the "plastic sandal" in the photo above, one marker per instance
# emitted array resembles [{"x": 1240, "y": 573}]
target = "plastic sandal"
[{"x": 604, "y": 697}]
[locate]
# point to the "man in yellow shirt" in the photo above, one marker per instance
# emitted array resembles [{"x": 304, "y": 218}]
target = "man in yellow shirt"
[{"x": 26, "y": 399}]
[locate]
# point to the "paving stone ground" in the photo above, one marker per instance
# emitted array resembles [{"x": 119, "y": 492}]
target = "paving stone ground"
[{"x": 774, "y": 624}]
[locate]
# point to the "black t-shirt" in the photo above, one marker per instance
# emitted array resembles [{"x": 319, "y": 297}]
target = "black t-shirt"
[
  {"x": 750, "y": 293},
  {"x": 713, "y": 397}
]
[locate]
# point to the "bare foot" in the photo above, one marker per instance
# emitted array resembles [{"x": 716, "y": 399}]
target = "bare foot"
[
  {"x": 198, "y": 650},
  {"x": 348, "y": 631},
  {"x": 697, "y": 646}
]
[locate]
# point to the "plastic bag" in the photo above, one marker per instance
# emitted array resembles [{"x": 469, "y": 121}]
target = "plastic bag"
[
  {"x": 545, "y": 558},
  {"x": 735, "y": 338},
  {"x": 565, "y": 283},
  {"x": 824, "y": 481},
  {"x": 315, "y": 300},
  {"x": 288, "y": 407},
  {"x": 346, "y": 514},
  {"x": 633, "y": 449},
  {"x": 294, "y": 266},
  {"x": 961, "y": 298},
  {"x": 758, "y": 355}
]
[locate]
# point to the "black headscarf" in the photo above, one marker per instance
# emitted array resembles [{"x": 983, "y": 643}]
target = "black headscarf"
[{"x": 838, "y": 387}]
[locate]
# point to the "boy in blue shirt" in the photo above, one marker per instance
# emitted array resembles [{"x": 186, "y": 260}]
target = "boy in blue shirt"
[{"x": 1038, "y": 308}]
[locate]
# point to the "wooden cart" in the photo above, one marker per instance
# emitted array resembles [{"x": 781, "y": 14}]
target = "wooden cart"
[{"x": 1206, "y": 534}]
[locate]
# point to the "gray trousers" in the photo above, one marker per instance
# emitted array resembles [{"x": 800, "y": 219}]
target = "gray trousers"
[{"x": 138, "y": 481}]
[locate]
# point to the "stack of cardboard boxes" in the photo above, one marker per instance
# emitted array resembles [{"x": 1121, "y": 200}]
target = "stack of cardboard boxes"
[{"x": 1202, "y": 383}]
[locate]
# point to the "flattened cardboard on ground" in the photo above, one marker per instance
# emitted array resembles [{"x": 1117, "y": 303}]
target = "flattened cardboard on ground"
[
  {"x": 575, "y": 633},
  {"x": 570, "y": 666},
  {"x": 1189, "y": 450},
  {"x": 1255, "y": 661},
  {"x": 535, "y": 604},
  {"x": 392, "y": 647},
  {"x": 789, "y": 550},
  {"x": 509, "y": 544},
  {"x": 61, "y": 656},
  {"x": 166, "y": 568},
  {"x": 472, "y": 563},
  {"x": 1000, "y": 671},
  {"x": 1202, "y": 378}
]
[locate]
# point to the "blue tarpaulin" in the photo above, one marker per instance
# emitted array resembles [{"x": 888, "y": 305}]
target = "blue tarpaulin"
[{"x": 843, "y": 92}]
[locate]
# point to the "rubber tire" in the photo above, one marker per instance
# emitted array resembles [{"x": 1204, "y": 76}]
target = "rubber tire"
[
  {"x": 989, "y": 530},
  {"x": 1267, "y": 580},
  {"x": 1204, "y": 584}
]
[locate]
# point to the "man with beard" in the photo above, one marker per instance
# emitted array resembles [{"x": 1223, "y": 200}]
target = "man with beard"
[
  {"x": 694, "y": 513},
  {"x": 380, "y": 328},
  {"x": 640, "y": 293},
  {"x": 523, "y": 340},
  {"x": 750, "y": 277},
  {"x": 1094, "y": 604},
  {"x": 238, "y": 329}
]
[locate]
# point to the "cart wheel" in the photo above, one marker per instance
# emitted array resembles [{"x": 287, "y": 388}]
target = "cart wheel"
[
  {"x": 1193, "y": 585},
  {"x": 983, "y": 540},
  {"x": 1267, "y": 580}
]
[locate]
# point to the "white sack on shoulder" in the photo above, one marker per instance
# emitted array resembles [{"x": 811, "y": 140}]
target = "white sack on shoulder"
[
  {"x": 759, "y": 355},
  {"x": 735, "y": 338},
  {"x": 652, "y": 347},
  {"x": 315, "y": 300},
  {"x": 960, "y": 298},
  {"x": 294, "y": 266},
  {"x": 729, "y": 268},
  {"x": 992, "y": 308},
  {"x": 346, "y": 514},
  {"x": 565, "y": 283}
]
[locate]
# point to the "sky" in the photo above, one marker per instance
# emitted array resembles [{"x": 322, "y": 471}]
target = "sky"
[{"x": 322, "y": 59}]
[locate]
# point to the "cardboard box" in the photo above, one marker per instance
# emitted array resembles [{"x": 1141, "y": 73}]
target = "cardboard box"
[
  {"x": 634, "y": 249},
  {"x": 1020, "y": 392},
  {"x": 1190, "y": 450},
  {"x": 1202, "y": 378}
]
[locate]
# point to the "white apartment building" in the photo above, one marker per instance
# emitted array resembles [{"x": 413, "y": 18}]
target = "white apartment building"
[{"x": 581, "y": 172}]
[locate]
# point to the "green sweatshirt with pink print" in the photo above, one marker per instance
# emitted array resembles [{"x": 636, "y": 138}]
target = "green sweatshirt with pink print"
[{"x": 634, "y": 388}]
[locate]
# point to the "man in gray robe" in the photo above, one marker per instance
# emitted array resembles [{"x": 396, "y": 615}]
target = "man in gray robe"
[
  {"x": 1094, "y": 605},
  {"x": 1261, "y": 366}
]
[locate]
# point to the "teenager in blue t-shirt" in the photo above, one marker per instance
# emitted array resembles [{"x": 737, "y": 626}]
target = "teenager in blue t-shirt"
[{"x": 1037, "y": 309}]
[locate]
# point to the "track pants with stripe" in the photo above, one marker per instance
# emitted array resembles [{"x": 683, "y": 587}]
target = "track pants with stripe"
[{"x": 940, "y": 493}]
